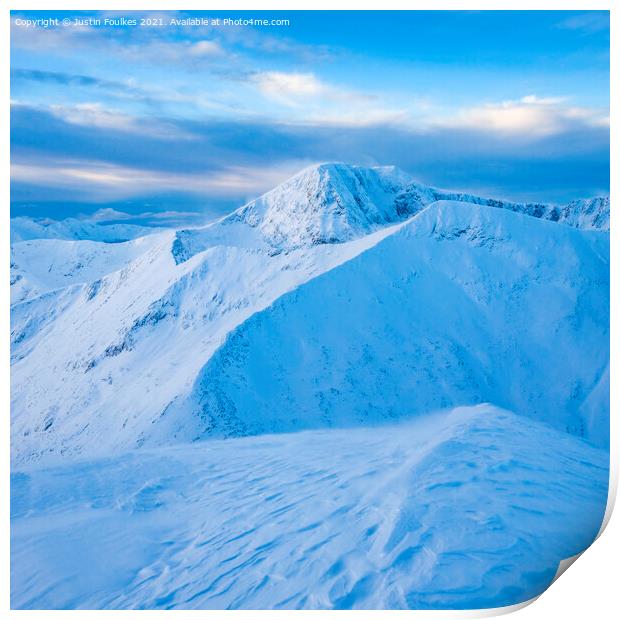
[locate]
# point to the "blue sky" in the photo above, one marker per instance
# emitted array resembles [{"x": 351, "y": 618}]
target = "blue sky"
[{"x": 181, "y": 119}]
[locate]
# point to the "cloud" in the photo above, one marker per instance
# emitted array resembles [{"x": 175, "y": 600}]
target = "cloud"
[
  {"x": 530, "y": 116},
  {"x": 57, "y": 77},
  {"x": 206, "y": 48},
  {"x": 287, "y": 86},
  {"x": 149, "y": 218},
  {"x": 588, "y": 23},
  {"x": 108, "y": 214},
  {"x": 535, "y": 100},
  {"x": 315, "y": 102},
  {"x": 128, "y": 92},
  {"x": 227, "y": 162},
  {"x": 146, "y": 45},
  {"x": 360, "y": 116},
  {"x": 190, "y": 55},
  {"x": 106, "y": 181},
  {"x": 201, "y": 47},
  {"x": 96, "y": 115},
  {"x": 296, "y": 88},
  {"x": 56, "y": 40}
]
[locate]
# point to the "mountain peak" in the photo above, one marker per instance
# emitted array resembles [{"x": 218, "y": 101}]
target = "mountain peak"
[{"x": 329, "y": 202}]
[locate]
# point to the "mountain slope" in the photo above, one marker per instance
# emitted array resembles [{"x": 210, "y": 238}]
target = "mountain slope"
[
  {"x": 464, "y": 304},
  {"x": 354, "y": 303},
  {"x": 469, "y": 508},
  {"x": 144, "y": 330},
  {"x": 42, "y": 265},
  {"x": 324, "y": 204}
]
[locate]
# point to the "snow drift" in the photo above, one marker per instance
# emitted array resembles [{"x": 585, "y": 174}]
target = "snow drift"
[{"x": 469, "y": 508}]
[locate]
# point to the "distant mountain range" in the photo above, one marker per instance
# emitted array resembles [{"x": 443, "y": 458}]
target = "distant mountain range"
[{"x": 26, "y": 228}]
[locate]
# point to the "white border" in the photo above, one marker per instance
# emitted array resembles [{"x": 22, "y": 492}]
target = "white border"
[{"x": 590, "y": 587}]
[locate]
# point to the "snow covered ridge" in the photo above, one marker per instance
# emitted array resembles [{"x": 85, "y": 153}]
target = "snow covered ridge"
[
  {"x": 334, "y": 203},
  {"x": 42, "y": 265},
  {"x": 462, "y": 304}
]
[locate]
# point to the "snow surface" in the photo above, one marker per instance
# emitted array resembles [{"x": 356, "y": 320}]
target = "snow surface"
[
  {"x": 469, "y": 508},
  {"x": 147, "y": 329}
]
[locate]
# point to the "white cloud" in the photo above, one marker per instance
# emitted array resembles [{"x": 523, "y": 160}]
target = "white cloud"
[
  {"x": 203, "y": 53},
  {"x": 313, "y": 101},
  {"x": 530, "y": 116},
  {"x": 360, "y": 116},
  {"x": 104, "y": 181},
  {"x": 164, "y": 215},
  {"x": 51, "y": 39},
  {"x": 108, "y": 214},
  {"x": 316, "y": 102},
  {"x": 143, "y": 46},
  {"x": 535, "y": 100},
  {"x": 289, "y": 86},
  {"x": 303, "y": 88},
  {"x": 96, "y": 115},
  {"x": 206, "y": 48}
]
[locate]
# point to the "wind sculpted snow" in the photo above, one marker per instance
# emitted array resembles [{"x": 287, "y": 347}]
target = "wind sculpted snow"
[{"x": 463, "y": 509}]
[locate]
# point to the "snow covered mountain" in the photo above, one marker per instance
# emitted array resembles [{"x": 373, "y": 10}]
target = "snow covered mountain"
[
  {"x": 145, "y": 329},
  {"x": 463, "y": 304},
  {"x": 132, "y": 328},
  {"x": 27, "y": 228},
  {"x": 43, "y": 265},
  {"x": 334, "y": 203}
]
